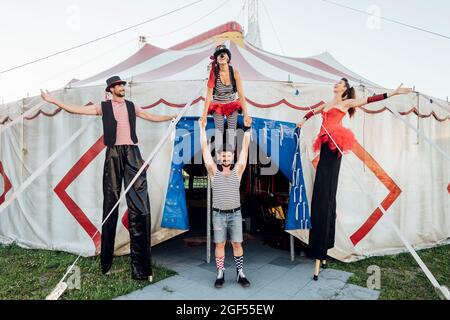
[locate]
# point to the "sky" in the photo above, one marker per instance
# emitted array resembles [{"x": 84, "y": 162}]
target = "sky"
[{"x": 385, "y": 53}]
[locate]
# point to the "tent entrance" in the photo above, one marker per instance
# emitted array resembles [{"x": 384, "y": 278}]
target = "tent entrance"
[
  {"x": 264, "y": 193},
  {"x": 195, "y": 186},
  {"x": 264, "y": 200}
]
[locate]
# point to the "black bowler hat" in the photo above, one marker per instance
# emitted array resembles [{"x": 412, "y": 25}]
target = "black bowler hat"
[{"x": 111, "y": 82}]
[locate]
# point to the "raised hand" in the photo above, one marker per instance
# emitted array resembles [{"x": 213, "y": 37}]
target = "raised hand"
[
  {"x": 202, "y": 123},
  {"x": 247, "y": 121},
  {"x": 301, "y": 123},
  {"x": 401, "y": 90},
  {"x": 47, "y": 96}
]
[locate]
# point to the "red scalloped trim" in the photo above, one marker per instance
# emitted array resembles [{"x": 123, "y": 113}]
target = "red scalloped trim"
[
  {"x": 170, "y": 104},
  {"x": 47, "y": 114},
  {"x": 253, "y": 103},
  {"x": 405, "y": 113}
]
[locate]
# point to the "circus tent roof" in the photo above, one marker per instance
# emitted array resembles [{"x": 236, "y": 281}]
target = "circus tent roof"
[{"x": 189, "y": 60}]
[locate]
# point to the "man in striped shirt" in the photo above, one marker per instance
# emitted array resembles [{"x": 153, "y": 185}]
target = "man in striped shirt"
[{"x": 227, "y": 217}]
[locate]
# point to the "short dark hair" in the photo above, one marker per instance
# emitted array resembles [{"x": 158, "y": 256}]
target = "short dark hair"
[
  {"x": 225, "y": 147},
  {"x": 349, "y": 94}
]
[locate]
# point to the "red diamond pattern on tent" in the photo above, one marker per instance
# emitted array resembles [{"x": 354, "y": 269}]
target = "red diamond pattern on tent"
[
  {"x": 73, "y": 208},
  {"x": 67, "y": 180},
  {"x": 385, "y": 179},
  {"x": 7, "y": 186}
]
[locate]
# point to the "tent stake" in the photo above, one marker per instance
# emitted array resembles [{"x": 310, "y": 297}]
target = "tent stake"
[{"x": 57, "y": 291}]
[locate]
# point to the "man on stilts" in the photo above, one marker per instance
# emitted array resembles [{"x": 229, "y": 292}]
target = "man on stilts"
[{"x": 122, "y": 162}]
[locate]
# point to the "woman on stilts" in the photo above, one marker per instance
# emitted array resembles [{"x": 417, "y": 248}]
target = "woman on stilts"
[
  {"x": 221, "y": 101},
  {"x": 332, "y": 141}
]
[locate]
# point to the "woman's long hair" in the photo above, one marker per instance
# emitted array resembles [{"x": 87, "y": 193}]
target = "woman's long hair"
[{"x": 349, "y": 93}]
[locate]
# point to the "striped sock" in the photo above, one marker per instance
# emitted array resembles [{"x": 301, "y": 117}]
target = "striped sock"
[
  {"x": 220, "y": 263},
  {"x": 239, "y": 263}
]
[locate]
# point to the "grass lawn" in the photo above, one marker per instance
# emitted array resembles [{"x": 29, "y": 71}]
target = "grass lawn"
[
  {"x": 32, "y": 274},
  {"x": 401, "y": 277}
]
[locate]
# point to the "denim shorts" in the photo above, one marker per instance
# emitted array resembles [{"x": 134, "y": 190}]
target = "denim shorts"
[{"x": 227, "y": 223}]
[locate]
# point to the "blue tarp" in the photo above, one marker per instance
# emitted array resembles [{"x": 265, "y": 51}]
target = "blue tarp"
[{"x": 270, "y": 135}]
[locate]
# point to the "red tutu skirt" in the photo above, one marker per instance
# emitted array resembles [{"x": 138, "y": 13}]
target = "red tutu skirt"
[
  {"x": 225, "y": 108},
  {"x": 344, "y": 138}
]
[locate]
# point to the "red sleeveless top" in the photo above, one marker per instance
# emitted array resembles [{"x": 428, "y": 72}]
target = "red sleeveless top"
[{"x": 332, "y": 121}]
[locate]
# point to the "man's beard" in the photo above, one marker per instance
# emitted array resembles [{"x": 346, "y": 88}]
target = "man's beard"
[
  {"x": 226, "y": 165},
  {"x": 120, "y": 94}
]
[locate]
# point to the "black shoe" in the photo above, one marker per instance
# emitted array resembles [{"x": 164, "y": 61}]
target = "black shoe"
[
  {"x": 219, "y": 282},
  {"x": 316, "y": 277},
  {"x": 142, "y": 278},
  {"x": 106, "y": 269},
  {"x": 242, "y": 280}
]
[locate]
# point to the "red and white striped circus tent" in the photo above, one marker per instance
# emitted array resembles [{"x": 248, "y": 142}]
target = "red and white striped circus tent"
[{"x": 394, "y": 164}]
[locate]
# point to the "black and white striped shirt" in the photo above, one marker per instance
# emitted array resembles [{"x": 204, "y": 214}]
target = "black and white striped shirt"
[
  {"x": 223, "y": 93},
  {"x": 225, "y": 189}
]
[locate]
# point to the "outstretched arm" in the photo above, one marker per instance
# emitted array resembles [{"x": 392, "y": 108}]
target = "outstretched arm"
[
  {"x": 153, "y": 117},
  {"x": 86, "y": 110},
  {"x": 310, "y": 113},
  {"x": 207, "y": 158},
  {"x": 356, "y": 103}
]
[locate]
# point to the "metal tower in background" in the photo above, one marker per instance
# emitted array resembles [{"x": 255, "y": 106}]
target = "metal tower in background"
[{"x": 253, "y": 34}]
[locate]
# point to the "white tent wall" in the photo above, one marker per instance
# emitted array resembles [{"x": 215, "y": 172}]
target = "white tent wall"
[
  {"x": 39, "y": 219},
  {"x": 391, "y": 162}
]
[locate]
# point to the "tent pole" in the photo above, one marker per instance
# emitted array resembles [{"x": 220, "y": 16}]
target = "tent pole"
[
  {"x": 22, "y": 141},
  {"x": 208, "y": 222},
  {"x": 291, "y": 246},
  {"x": 418, "y": 117},
  {"x": 291, "y": 237},
  {"x": 131, "y": 88}
]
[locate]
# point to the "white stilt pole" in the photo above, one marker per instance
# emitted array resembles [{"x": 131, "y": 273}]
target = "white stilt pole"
[{"x": 208, "y": 222}]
